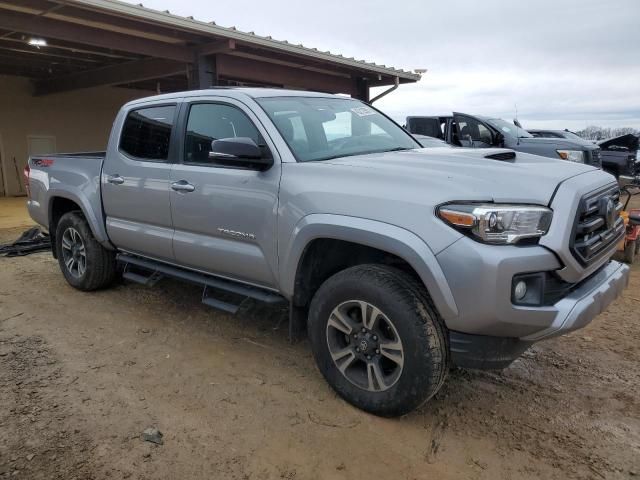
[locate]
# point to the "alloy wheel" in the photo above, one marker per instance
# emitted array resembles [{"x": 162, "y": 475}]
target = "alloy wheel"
[
  {"x": 365, "y": 345},
  {"x": 74, "y": 253}
]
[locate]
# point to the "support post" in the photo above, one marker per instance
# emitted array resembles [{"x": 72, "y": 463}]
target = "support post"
[
  {"x": 203, "y": 73},
  {"x": 361, "y": 89}
]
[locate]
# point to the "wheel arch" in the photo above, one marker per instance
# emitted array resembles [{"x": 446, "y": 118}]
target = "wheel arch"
[
  {"x": 64, "y": 201},
  {"x": 372, "y": 236}
]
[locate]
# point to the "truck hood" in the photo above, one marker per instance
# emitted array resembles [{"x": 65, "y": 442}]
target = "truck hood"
[
  {"x": 463, "y": 174},
  {"x": 559, "y": 143},
  {"x": 623, "y": 143}
]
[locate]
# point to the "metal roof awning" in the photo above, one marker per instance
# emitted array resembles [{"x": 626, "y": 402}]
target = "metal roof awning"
[{"x": 107, "y": 42}]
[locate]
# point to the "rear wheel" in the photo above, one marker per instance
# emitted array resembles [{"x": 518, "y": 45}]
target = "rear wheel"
[
  {"x": 85, "y": 264},
  {"x": 377, "y": 339}
]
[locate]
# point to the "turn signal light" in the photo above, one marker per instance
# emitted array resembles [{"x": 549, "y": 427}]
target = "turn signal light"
[{"x": 457, "y": 218}]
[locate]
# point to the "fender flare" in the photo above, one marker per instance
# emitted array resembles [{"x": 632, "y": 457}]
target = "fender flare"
[
  {"x": 74, "y": 194},
  {"x": 371, "y": 233}
]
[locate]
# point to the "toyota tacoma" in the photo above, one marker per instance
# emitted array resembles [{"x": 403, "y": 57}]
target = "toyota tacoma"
[{"x": 398, "y": 262}]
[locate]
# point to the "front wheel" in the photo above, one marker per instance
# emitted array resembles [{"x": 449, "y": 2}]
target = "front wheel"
[
  {"x": 377, "y": 339},
  {"x": 85, "y": 264}
]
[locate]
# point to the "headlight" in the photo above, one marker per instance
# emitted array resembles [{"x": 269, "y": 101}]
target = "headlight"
[
  {"x": 571, "y": 155},
  {"x": 499, "y": 224}
]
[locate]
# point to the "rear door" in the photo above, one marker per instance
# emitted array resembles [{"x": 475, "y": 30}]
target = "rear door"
[
  {"x": 135, "y": 182},
  {"x": 471, "y": 132},
  {"x": 224, "y": 216},
  {"x": 429, "y": 126}
]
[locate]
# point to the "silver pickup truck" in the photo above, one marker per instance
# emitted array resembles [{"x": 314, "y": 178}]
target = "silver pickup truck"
[{"x": 397, "y": 261}]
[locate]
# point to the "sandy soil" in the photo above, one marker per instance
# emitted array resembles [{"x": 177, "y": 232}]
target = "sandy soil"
[{"x": 82, "y": 375}]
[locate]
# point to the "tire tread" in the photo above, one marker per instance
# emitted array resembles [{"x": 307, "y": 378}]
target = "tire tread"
[
  {"x": 102, "y": 262},
  {"x": 407, "y": 291}
]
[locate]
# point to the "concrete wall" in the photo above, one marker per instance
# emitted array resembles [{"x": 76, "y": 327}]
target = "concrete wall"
[{"x": 79, "y": 121}]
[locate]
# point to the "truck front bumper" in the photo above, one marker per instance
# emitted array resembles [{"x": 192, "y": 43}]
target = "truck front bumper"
[
  {"x": 574, "y": 311},
  {"x": 587, "y": 301},
  {"x": 484, "y": 300}
]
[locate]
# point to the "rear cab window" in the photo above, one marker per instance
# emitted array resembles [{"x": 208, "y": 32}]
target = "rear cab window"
[{"x": 146, "y": 133}]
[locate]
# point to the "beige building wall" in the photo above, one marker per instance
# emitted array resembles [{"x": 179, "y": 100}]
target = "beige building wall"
[{"x": 79, "y": 121}]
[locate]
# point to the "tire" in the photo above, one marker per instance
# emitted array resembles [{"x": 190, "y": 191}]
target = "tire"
[
  {"x": 638, "y": 246},
  {"x": 94, "y": 266},
  {"x": 630, "y": 250},
  {"x": 408, "y": 372}
]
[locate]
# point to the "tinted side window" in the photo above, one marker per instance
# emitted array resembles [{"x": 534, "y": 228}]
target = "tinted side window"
[
  {"x": 208, "y": 122},
  {"x": 146, "y": 133},
  {"x": 425, "y": 126}
]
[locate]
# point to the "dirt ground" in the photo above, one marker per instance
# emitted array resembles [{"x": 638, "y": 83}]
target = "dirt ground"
[{"x": 82, "y": 375}]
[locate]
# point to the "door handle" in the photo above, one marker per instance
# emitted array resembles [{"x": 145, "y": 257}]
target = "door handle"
[
  {"x": 182, "y": 186},
  {"x": 115, "y": 179}
]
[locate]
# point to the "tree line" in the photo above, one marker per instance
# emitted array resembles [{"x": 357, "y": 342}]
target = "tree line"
[{"x": 601, "y": 133}]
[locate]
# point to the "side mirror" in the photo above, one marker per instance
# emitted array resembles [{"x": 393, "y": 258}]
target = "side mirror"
[
  {"x": 498, "y": 140},
  {"x": 239, "y": 151}
]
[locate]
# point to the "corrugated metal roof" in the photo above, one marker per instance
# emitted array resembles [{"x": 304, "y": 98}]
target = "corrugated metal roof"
[{"x": 166, "y": 18}]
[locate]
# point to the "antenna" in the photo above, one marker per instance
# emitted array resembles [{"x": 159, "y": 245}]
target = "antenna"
[{"x": 516, "y": 122}]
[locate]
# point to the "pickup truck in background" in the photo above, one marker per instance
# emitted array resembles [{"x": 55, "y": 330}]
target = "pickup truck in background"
[
  {"x": 397, "y": 261},
  {"x": 620, "y": 155},
  {"x": 463, "y": 130}
]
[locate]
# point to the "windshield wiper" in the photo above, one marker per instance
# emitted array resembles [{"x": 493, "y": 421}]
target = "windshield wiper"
[
  {"x": 354, "y": 154},
  {"x": 397, "y": 149}
]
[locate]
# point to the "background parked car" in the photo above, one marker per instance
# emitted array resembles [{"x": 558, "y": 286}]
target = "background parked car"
[
  {"x": 620, "y": 155},
  {"x": 474, "y": 131},
  {"x": 568, "y": 134}
]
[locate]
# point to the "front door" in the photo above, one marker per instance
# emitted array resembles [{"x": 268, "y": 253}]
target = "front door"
[
  {"x": 471, "y": 132},
  {"x": 224, "y": 217},
  {"x": 135, "y": 182}
]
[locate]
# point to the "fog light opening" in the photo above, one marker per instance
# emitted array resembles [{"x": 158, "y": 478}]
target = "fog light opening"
[{"x": 520, "y": 291}]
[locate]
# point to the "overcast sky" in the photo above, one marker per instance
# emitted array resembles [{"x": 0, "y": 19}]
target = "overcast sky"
[{"x": 564, "y": 63}]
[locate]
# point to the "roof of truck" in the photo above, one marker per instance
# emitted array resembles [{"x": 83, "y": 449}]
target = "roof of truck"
[{"x": 234, "y": 92}]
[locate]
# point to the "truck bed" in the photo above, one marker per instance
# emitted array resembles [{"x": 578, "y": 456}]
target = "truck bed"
[{"x": 70, "y": 176}]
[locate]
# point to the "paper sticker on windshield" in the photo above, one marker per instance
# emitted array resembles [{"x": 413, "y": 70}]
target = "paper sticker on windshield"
[
  {"x": 363, "y": 111},
  {"x": 505, "y": 129}
]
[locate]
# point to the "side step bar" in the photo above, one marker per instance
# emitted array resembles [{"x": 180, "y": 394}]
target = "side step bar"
[
  {"x": 208, "y": 299},
  {"x": 147, "y": 281},
  {"x": 158, "y": 270}
]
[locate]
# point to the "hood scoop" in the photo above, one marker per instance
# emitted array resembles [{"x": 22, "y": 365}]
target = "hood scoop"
[{"x": 509, "y": 156}]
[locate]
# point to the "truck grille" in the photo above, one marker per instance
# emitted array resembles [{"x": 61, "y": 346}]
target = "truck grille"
[
  {"x": 598, "y": 225},
  {"x": 595, "y": 158}
]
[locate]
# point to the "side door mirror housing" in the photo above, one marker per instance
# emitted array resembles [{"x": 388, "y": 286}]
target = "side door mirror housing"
[{"x": 239, "y": 152}]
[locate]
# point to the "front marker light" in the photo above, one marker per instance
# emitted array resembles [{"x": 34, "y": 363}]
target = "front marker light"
[
  {"x": 497, "y": 224},
  {"x": 571, "y": 155}
]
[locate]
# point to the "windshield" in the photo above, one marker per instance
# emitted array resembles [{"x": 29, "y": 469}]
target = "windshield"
[
  {"x": 317, "y": 128},
  {"x": 508, "y": 128}
]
